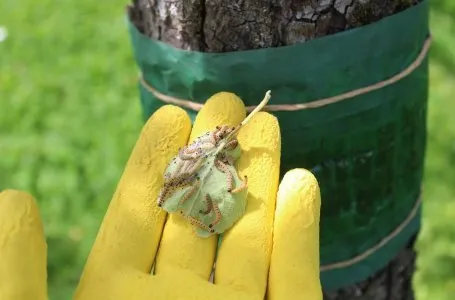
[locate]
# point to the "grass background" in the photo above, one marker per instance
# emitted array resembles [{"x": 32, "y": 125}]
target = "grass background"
[{"x": 70, "y": 115}]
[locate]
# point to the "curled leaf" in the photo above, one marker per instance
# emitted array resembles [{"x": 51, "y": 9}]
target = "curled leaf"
[{"x": 202, "y": 184}]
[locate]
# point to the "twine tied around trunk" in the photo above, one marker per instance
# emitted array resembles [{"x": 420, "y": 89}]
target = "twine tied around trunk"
[{"x": 188, "y": 104}]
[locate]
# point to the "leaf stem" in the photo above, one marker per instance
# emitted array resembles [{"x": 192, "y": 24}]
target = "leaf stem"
[{"x": 233, "y": 133}]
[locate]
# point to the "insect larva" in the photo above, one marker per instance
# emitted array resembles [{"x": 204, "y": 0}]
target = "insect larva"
[
  {"x": 177, "y": 169},
  {"x": 242, "y": 187},
  {"x": 172, "y": 185},
  {"x": 223, "y": 168},
  {"x": 190, "y": 192},
  {"x": 220, "y": 133},
  {"x": 190, "y": 167},
  {"x": 209, "y": 156},
  {"x": 213, "y": 137},
  {"x": 188, "y": 156},
  {"x": 197, "y": 222},
  {"x": 179, "y": 180},
  {"x": 231, "y": 145},
  {"x": 207, "y": 146},
  {"x": 168, "y": 189},
  {"x": 191, "y": 151},
  {"x": 196, "y": 166},
  {"x": 216, "y": 210},
  {"x": 162, "y": 196},
  {"x": 226, "y": 159},
  {"x": 209, "y": 205}
]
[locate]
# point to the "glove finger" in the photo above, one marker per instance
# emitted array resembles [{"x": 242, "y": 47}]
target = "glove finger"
[
  {"x": 180, "y": 246},
  {"x": 23, "y": 248},
  {"x": 130, "y": 233},
  {"x": 244, "y": 254},
  {"x": 173, "y": 284},
  {"x": 296, "y": 237}
]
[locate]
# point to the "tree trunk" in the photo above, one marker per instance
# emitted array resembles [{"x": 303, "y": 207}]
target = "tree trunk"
[
  {"x": 394, "y": 282},
  {"x": 222, "y": 26}
]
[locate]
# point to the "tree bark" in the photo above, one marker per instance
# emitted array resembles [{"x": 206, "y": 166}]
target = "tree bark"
[
  {"x": 222, "y": 26},
  {"x": 235, "y": 25}
]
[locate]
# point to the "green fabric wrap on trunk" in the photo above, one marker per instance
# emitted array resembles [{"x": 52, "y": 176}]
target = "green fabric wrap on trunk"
[{"x": 367, "y": 152}]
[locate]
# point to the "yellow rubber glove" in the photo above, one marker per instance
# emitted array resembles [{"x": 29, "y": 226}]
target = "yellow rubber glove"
[{"x": 271, "y": 252}]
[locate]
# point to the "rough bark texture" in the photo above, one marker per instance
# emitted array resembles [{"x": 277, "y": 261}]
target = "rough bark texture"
[{"x": 222, "y": 26}]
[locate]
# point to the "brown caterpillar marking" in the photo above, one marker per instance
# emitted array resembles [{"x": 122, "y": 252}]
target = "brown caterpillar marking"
[
  {"x": 216, "y": 210},
  {"x": 231, "y": 145},
  {"x": 241, "y": 187},
  {"x": 183, "y": 155},
  {"x": 162, "y": 196},
  {"x": 196, "y": 166},
  {"x": 191, "y": 167},
  {"x": 221, "y": 132},
  {"x": 190, "y": 150},
  {"x": 197, "y": 148},
  {"x": 209, "y": 205},
  {"x": 223, "y": 168},
  {"x": 167, "y": 190},
  {"x": 172, "y": 185},
  {"x": 213, "y": 137},
  {"x": 198, "y": 223},
  {"x": 190, "y": 192},
  {"x": 226, "y": 159},
  {"x": 182, "y": 179}
]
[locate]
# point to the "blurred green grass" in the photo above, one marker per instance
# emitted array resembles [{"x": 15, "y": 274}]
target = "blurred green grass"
[
  {"x": 70, "y": 114},
  {"x": 69, "y": 117}
]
